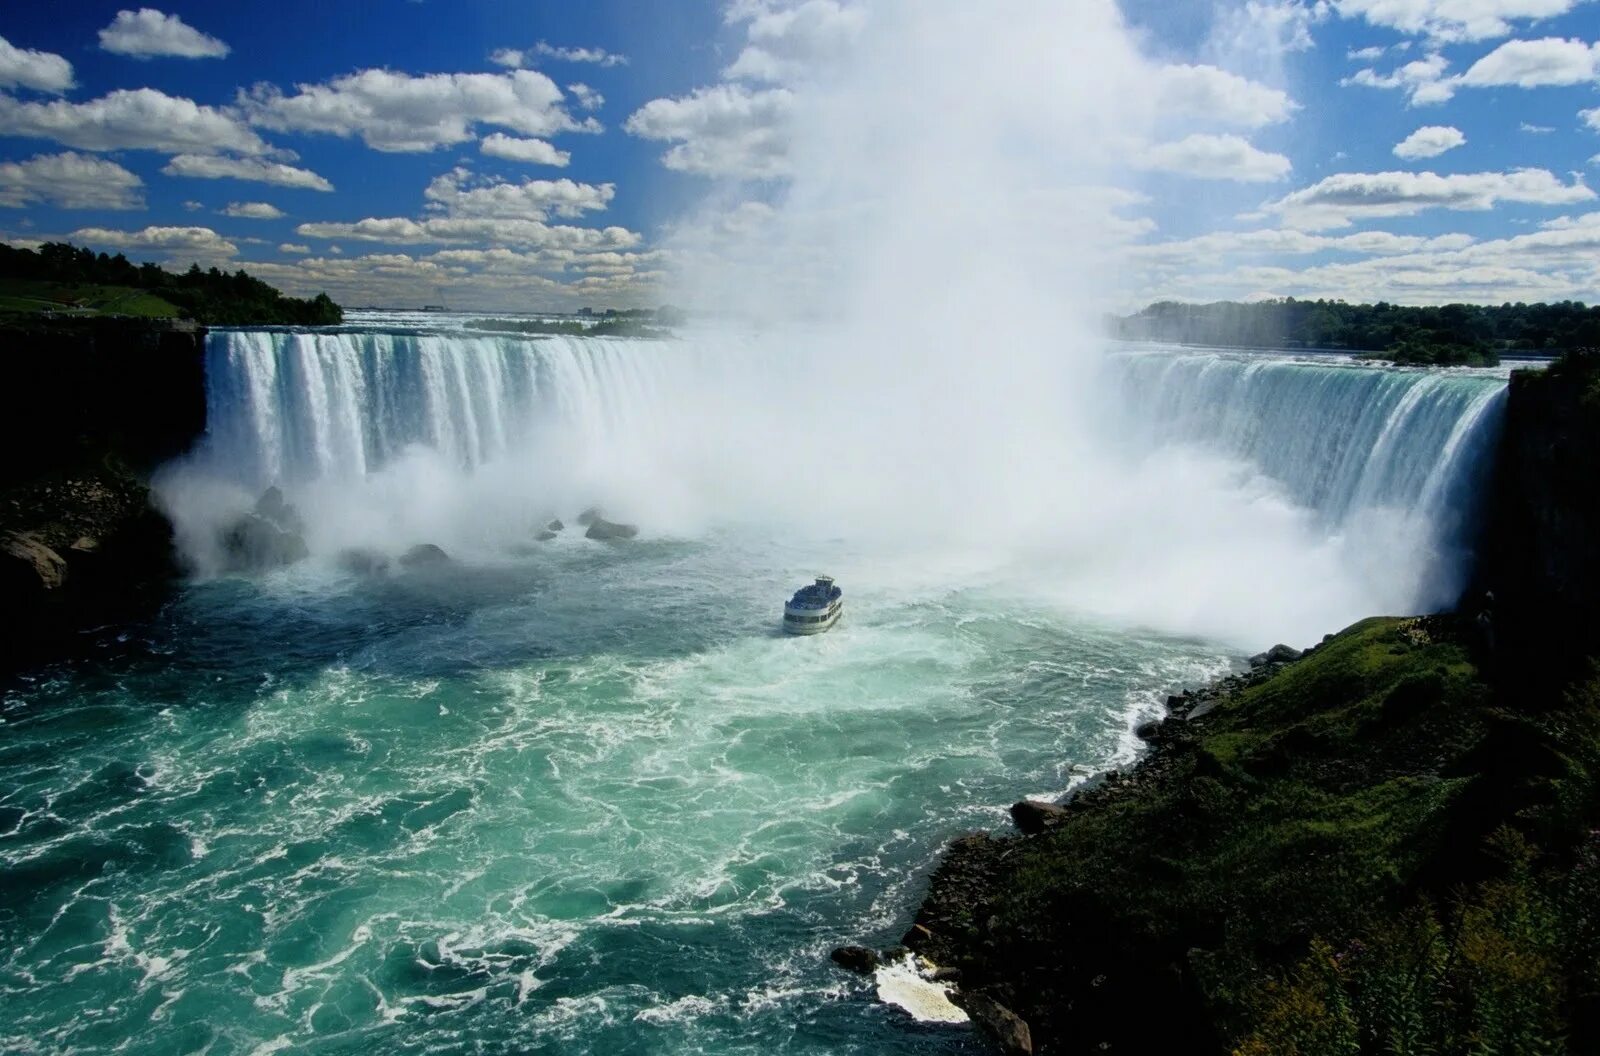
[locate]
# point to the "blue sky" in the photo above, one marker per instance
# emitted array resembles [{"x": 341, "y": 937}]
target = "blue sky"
[{"x": 537, "y": 154}]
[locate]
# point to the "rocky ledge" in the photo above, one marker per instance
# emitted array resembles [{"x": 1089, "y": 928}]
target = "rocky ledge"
[{"x": 1259, "y": 880}]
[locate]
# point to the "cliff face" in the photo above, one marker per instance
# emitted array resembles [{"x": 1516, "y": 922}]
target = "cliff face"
[
  {"x": 1543, "y": 560},
  {"x": 89, "y": 408}
]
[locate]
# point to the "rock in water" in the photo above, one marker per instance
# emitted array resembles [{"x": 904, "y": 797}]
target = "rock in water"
[
  {"x": 555, "y": 525},
  {"x": 275, "y": 508},
  {"x": 600, "y": 528},
  {"x": 1031, "y": 816},
  {"x": 589, "y": 516},
  {"x": 1007, "y": 1028},
  {"x": 424, "y": 555},
  {"x": 545, "y": 535},
  {"x": 255, "y": 543},
  {"x": 364, "y": 562},
  {"x": 856, "y": 959}
]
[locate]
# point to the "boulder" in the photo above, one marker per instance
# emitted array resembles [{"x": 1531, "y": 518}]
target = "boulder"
[
  {"x": 555, "y": 525},
  {"x": 856, "y": 959},
  {"x": 424, "y": 555},
  {"x": 589, "y": 516},
  {"x": 1008, "y": 1029},
  {"x": 255, "y": 543},
  {"x": 545, "y": 535},
  {"x": 1278, "y": 654},
  {"x": 1031, "y": 816},
  {"x": 605, "y": 530},
  {"x": 31, "y": 566},
  {"x": 275, "y": 508},
  {"x": 364, "y": 562}
]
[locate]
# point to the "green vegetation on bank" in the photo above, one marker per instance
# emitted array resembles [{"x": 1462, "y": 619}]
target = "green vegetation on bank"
[
  {"x": 1446, "y": 334},
  {"x": 62, "y": 279},
  {"x": 1369, "y": 850}
]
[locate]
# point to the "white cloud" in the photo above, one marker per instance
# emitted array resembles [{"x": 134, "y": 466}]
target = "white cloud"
[
  {"x": 1429, "y": 141},
  {"x": 586, "y": 98},
  {"x": 1535, "y": 63},
  {"x": 253, "y": 211},
  {"x": 28, "y": 68},
  {"x": 1210, "y": 157},
  {"x": 786, "y": 43},
  {"x": 1591, "y": 118},
  {"x": 1536, "y": 130},
  {"x": 1422, "y": 79},
  {"x": 1342, "y": 199},
  {"x": 141, "y": 119},
  {"x": 529, "y": 200},
  {"x": 399, "y": 231},
  {"x": 534, "y": 151},
  {"x": 1453, "y": 20},
  {"x": 71, "y": 181},
  {"x": 147, "y": 33},
  {"x": 598, "y": 56},
  {"x": 199, "y": 241},
  {"x": 212, "y": 167},
  {"x": 1372, "y": 54},
  {"x": 400, "y": 113},
  {"x": 724, "y": 130},
  {"x": 293, "y": 247},
  {"x": 1216, "y": 95},
  {"x": 193, "y": 206}
]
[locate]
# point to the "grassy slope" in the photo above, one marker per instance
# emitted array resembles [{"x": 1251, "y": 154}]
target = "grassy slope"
[
  {"x": 33, "y": 295},
  {"x": 1320, "y": 802}
]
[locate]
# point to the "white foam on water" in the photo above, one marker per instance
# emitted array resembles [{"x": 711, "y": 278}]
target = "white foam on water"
[{"x": 905, "y": 984}]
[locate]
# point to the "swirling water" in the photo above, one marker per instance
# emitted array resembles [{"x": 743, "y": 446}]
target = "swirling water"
[{"x": 573, "y": 798}]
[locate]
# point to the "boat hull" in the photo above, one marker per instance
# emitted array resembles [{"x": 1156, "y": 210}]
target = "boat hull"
[{"x": 808, "y": 623}]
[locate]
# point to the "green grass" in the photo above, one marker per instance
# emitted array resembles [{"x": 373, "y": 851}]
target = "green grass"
[{"x": 30, "y": 296}]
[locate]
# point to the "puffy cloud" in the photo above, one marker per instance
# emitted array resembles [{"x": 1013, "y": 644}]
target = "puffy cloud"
[
  {"x": 1216, "y": 95},
  {"x": 39, "y": 70},
  {"x": 1536, "y": 130},
  {"x": 1210, "y": 157},
  {"x": 211, "y": 167},
  {"x": 1423, "y": 79},
  {"x": 1453, "y": 20},
  {"x": 1342, "y": 199},
  {"x": 71, "y": 181},
  {"x": 400, "y": 231},
  {"x": 1372, "y": 54},
  {"x": 1429, "y": 141},
  {"x": 516, "y": 58},
  {"x": 534, "y": 151},
  {"x": 397, "y": 112},
  {"x": 784, "y": 43},
  {"x": 141, "y": 119},
  {"x": 147, "y": 33},
  {"x": 293, "y": 247},
  {"x": 1591, "y": 118},
  {"x": 530, "y": 200},
  {"x": 198, "y": 241},
  {"x": 1535, "y": 63},
  {"x": 725, "y": 130},
  {"x": 253, "y": 211},
  {"x": 586, "y": 98},
  {"x": 1288, "y": 241}
]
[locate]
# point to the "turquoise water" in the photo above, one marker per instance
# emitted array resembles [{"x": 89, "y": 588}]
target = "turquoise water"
[{"x": 582, "y": 799}]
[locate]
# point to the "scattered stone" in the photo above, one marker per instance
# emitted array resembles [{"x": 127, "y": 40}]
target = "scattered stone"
[
  {"x": 856, "y": 959},
  {"x": 85, "y": 544},
  {"x": 1008, "y": 1029},
  {"x": 606, "y": 531},
  {"x": 1031, "y": 816},
  {"x": 1278, "y": 654},
  {"x": 918, "y": 936},
  {"x": 1148, "y": 731},
  {"x": 424, "y": 555}
]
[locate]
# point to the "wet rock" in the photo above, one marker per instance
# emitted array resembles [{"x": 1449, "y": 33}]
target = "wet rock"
[
  {"x": 606, "y": 531},
  {"x": 545, "y": 535},
  {"x": 856, "y": 959},
  {"x": 424, "y": 555},
  {"x": 917, "y": 938},
  {"x": 364, "y": 562},
  {"x": 555, "y": 525},
  {"x": 30, "y": 566},
  {"x": 1148, "y": 731},
  {"x": 1008, "y": 1029},
  {"x": 275, "y": 508},
  {"x": 255, "y": 543},
  {"x": 589, "y": 516},
  {"x": 1031, "y": 816},
  {"x": 85, "y": 544}
]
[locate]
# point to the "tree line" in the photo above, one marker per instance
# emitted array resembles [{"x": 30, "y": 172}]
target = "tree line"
[{"x": 210, "y": 296}]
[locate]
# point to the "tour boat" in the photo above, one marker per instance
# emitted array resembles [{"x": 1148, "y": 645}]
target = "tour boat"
[{"x": 814, "y": 608}]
